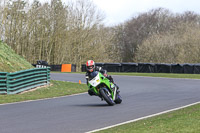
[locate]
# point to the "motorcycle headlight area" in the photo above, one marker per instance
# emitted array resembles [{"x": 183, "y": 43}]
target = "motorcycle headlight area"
[{"x": 95, "y": 82}]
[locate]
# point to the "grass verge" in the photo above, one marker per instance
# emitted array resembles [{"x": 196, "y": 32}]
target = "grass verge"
[
  {"x": 185, "y": 120},
  {"x": 59, "y": 88}
]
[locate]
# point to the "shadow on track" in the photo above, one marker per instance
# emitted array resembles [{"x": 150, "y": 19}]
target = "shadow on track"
[{"x": 92, "y": 105}]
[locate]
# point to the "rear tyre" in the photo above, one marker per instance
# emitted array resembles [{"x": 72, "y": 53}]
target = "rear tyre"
[
  {"x": 104, "y": 93},
  {"x": 118, "y": 99}
]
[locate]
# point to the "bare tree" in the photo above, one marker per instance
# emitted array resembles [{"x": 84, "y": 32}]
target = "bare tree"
[
  {"x": 83, "y": 25},
  {"x": 180, "y": 46}
]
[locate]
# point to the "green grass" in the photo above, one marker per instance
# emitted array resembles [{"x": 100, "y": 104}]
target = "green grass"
[
  {"x": 186, "y": 120},
  {"x": 10, "y": 61},
  {"x": 59, "y": 88}
]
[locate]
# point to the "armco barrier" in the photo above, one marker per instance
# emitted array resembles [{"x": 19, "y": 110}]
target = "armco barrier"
[
  {"x": 3, "y": 83},
  {"x": 12, "y": 83}
]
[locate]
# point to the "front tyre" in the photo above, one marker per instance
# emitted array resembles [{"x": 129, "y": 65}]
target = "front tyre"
[{"x": 105, "y": 94}]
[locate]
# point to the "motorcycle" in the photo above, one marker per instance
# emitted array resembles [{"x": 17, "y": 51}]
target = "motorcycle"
[{"x": 102, "y": 87}]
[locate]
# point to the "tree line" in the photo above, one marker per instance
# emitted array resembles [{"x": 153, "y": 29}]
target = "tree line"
[
  {"x": 55, "y": 32},
  {"x": 160, "y": 36},
  {"x": 74, "y": 32}
]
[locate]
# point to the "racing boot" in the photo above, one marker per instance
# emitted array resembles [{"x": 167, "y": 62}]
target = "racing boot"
[
  {"x": 91, "y": 93},
  {"x": 116, "y": 86},
  {"x": 113, "y": 87}
]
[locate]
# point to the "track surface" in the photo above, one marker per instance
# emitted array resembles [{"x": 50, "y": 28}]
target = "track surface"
[{"x": 141, "y": 96}]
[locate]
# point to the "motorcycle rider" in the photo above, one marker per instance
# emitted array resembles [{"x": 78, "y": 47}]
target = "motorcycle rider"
[{"x": 90, "y": 67}]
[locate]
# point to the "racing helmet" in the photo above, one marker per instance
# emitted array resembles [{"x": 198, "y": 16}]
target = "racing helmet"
[{"x": 90, "y": 65}]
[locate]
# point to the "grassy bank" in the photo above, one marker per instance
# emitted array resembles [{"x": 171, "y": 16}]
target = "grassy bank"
[
  {"x": 186, "y": 120},
  {"x": 59, "y": 88},
  {"x": 10, "y": 61}
]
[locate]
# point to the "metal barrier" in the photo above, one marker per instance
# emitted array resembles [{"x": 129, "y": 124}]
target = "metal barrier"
[
  {"x": 12, "y": 83},
  {"x": 3, "y": 83}
]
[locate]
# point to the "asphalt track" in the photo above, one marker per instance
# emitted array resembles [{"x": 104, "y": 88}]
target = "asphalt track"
[{"x": 142, "y": 96}]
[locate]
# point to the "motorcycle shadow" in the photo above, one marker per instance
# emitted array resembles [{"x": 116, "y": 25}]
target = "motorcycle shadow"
[{"x": 93, "y": 105}]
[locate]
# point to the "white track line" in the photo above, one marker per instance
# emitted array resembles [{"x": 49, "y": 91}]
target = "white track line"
[{"x": 167, "y": 111}]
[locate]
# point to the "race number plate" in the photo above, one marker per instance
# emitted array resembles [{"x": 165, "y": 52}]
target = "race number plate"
[{"x": 95, "y": 81}]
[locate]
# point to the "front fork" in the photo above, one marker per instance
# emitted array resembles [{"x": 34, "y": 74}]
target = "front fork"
[{"x": 114, "y": 91}]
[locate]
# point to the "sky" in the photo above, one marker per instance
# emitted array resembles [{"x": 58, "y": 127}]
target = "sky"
[{"x": 119, "y": 11}]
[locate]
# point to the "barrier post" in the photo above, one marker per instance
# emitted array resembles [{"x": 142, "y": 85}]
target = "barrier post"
[{"x": 7, "y": 83}]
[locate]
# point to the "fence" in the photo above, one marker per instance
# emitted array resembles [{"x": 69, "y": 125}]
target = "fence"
[
  {"x": 149, "y": 67},
  {"x": 12, "y": 83},
  {"x": 58, "y": 67},
  {"x": 3, "y": 83}
]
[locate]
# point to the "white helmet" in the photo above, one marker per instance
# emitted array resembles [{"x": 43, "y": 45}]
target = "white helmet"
[{"x": 90, "y": 65}]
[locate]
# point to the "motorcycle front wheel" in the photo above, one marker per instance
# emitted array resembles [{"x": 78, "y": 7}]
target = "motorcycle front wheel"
[{"x": 106, "y": 96}]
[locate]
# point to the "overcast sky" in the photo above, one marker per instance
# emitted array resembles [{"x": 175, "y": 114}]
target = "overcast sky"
[{"x": 118, "y": 11}]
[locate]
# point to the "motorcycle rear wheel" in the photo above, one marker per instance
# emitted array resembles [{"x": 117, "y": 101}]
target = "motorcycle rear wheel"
[{"x": 118, "y": 99}]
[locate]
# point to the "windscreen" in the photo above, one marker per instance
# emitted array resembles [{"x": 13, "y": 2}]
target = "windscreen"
[{"x": 92, "y": 75}]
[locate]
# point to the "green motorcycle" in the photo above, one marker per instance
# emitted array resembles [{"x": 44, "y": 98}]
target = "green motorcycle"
[{"x": 102, "y": 87}]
